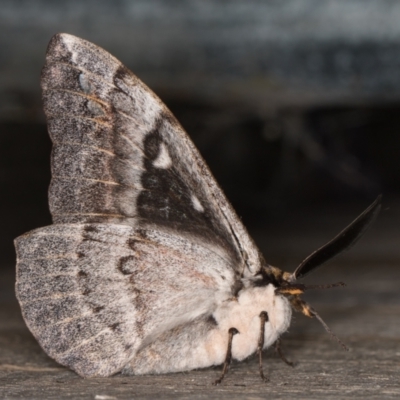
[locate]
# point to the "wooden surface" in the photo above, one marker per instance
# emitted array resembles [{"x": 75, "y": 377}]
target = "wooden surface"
[{"x": 365, "y": 315}]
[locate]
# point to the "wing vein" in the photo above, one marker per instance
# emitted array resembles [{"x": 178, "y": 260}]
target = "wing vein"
[
  {"x": 53, "y": 297},
  {"x": 64, "y": 115},
  {"x": 90, "y": 179},
  {"x": 84, "y": 342},
  {"x": 69, "y": 319},
  {"x": 67, "y": 255}
]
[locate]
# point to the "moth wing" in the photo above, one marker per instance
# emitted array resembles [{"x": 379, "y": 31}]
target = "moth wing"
[
  {"x": 144, "y": 240},
  {"x": 94, "y": 294},
  {"x": 120, "y": 156}
]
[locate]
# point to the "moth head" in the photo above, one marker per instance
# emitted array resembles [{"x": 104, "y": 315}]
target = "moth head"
[{"x": 286, "y": 282}]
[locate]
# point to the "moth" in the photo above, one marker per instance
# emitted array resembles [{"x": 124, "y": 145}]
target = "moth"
[{"x": 146, "y": 269}]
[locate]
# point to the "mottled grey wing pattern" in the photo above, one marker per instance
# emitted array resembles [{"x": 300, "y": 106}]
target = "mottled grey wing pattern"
[
  {"x": 59, "y": 277},
  {"x": 120, "y": 156},
  {"x": 143, "y": 239},
  {"x": 94, "y": 294}
]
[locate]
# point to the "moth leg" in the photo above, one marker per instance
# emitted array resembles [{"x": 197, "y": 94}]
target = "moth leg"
[
  {"x": 228, "y": 357},
  {"x": 263, "y": 318},
  {"x": 300, "y": 305},
  {"x": 278, "y": 349}
]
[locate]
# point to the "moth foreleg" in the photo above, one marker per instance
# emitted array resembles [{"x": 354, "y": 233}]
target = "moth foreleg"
[
  {"x": 228, "y": 357},
  {"x": 264, "y": 319},
  {"x": 278, "y": 349}
]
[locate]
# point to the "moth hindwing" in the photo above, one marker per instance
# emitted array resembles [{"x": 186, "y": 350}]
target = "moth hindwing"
[{"x": 146, "y": 268}]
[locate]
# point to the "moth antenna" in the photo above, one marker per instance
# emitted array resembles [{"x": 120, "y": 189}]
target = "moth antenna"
[
  {"x": 340, "y": 243},
  {"x": 299, "y": 288},
  {"x": 333, "y": 336},
  {"x": 329, "y": 286}
]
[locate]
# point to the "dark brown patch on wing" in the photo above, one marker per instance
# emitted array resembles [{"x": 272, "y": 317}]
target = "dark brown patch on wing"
[
  {"x": 82, "y": 274},
  {"x": 153, "y": 141},
  {"x": 167, "y": 196},
  {"x": 127, "y": 265},
  {"x": 131, "y": 243},
  {"x": 114, "y": 327}
]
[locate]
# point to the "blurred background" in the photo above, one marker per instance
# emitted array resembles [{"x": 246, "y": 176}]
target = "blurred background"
[{"x": 295, "y": 105}]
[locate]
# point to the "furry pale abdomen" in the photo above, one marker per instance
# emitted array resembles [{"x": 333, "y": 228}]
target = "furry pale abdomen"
[{"x": 204, "y": 342}]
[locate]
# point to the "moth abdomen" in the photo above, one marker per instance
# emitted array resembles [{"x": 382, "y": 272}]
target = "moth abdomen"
[{"x": 211, "y": 334}]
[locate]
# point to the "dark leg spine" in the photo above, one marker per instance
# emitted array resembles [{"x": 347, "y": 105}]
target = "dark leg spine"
[
  {"x": 228, "y": 357},
  {"x": 263, "y": 318}
]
